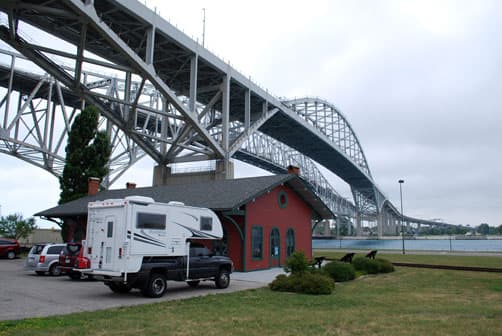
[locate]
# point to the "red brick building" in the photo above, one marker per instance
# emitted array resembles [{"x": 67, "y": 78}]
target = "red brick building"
[{"x": 264, "y": 219}]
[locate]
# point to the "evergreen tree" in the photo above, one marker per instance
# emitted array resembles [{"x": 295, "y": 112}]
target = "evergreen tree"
[{"x": 87, "y": 154}]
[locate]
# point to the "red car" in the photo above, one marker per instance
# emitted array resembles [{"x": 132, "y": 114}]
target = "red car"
[
  {"x": 9, "y": 248},
  {"x": 72, "y": 258}
]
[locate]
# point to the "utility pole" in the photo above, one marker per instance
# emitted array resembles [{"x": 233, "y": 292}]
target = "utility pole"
[
  {"x": 203, "y": 26},
  {"x": 402, "y": 214}
]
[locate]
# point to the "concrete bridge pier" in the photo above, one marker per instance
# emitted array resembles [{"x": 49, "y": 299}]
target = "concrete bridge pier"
[
  {"x": 162, "y": 174},
  {"x": 338, "y": 223},
  {"x": 358, "y": 224},
  {"x": 380, "y": 223}
]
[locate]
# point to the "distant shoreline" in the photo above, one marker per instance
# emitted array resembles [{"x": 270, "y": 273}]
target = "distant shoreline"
[{"x": 439, "y": 237}]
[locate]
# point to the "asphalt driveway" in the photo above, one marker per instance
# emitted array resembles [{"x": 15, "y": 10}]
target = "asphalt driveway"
[{"x": 24, "y": 294}]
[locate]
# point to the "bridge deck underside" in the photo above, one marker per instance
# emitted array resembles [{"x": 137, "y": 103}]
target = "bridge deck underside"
[{"x": 295, "y": 135}]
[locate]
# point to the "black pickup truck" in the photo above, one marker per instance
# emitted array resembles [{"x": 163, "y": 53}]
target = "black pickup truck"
[{"x": 155, "y": 271}]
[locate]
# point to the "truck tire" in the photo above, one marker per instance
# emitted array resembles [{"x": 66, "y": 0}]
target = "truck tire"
[
  {"x": 193, "y": 283},
  {"x": 223, "y": 279},
  {"x": 119, "y": 287},
  {"x": 155, "y": 287}
]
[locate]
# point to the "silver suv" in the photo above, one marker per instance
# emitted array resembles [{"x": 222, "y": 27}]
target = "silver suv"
[{"x": 44, "y": 258}]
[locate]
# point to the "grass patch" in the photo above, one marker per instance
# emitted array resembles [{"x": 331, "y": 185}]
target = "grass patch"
[
  {"x": 407, "y": 302},
  {"x": 436, "y": 259}
]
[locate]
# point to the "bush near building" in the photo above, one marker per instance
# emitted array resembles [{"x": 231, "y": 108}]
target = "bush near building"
[
  {"x": 384, "y": 266},
  {"x": 366, "y": 265},
  {"x": 339, "y": 271},
  {"x": 302, "y": 278}
]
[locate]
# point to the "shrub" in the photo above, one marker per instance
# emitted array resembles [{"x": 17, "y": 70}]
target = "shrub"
[
  {"x": 297, "y": 263},
  {"x": 281, "y": 283},
  {"x": 315, "y": 284},
  {"x": 384, "y": 266},
  {"x": 340, "y": 271},
  {"x": 369, "y": 266},
  {"x": 307, "y": 283}
]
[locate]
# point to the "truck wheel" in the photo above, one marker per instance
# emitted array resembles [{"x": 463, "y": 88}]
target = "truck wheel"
[
  {"x": 119, "y": 287},
  {"x": 11, "y": 255},
  {"x": 193, "y": 283},
  {"x": 223, "y": 279},
  {"x": 156, "y": 286},
  {"x": 54, "y": 270}
]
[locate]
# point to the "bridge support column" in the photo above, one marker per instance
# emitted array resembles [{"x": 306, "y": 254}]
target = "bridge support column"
[
  {"x": 387, "y": 223},
  {"x": 380, "y": 223},
  {"x": 327, "y": 228},
  {"x": 358, "y": 224},
  {"x": 338, "y": 223},
  {"x": 162, "y": 174}
]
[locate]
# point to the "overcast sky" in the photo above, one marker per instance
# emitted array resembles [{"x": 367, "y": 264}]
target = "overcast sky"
[{"x": 418, "y": 80}]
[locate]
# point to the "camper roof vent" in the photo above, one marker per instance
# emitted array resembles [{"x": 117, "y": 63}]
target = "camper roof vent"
[
  {"x": 140, "y": 200},
  {"x": 175, "y": 203}
]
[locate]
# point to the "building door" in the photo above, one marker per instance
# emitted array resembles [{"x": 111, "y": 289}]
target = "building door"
[{"x": 275, "y": 248}]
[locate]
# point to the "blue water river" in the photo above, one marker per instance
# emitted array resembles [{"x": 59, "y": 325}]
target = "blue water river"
[{"x": 418, "y": 245}]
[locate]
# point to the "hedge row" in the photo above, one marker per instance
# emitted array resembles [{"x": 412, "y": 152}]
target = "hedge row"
[
  {"x": 307, "y": 283},
  {"x": 305, "y": 279},
  {"x": 372, "y": 266}
]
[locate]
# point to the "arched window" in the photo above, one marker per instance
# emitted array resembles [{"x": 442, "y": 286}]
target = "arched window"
[
  {"x": 290, "y": 242},
  {"x": 275, "y": 243},
  {"x": 257, "y": 242}
]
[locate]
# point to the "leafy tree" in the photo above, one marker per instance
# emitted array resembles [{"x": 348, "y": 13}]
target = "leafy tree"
[
  {"x": 499, "y": 229},
  {"x": 87, "y": 154},
  {"x": 483, "y": 229},
  {"x": 14, "y": 226}
]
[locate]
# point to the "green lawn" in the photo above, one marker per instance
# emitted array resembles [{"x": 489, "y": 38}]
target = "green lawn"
[
  {"x": 407, "y": 302},
  {"x": 439, "y": 259}
]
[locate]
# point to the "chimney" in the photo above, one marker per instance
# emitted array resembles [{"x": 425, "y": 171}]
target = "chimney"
[
  {"x": 130, "y": 185},
  {"x": 92, "y": 186},
  {"x": 293, "y": 170}
]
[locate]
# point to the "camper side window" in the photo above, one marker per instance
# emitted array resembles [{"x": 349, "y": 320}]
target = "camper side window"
[
  {"x": 206, "y": 223},
  {"x": 151, "y": 221}
]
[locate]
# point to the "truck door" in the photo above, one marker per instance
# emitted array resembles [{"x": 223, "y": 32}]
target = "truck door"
[{"x": 106, "y": 245}]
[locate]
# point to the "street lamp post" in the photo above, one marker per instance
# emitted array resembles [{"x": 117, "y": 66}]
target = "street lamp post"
[{"x": 402, "y": 214}]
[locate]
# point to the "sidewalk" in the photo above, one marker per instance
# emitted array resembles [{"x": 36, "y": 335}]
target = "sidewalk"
[{"x": 260, "y": 277}]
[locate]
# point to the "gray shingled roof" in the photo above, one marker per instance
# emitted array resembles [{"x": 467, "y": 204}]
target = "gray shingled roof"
[{"x": 216, "y": 195}]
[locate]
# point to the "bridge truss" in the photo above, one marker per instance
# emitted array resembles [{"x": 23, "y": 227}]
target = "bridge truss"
[{"x": 163, "y": 95}]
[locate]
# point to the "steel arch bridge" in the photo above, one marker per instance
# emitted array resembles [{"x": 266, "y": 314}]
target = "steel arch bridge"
[{"x": 164, "y": 95}]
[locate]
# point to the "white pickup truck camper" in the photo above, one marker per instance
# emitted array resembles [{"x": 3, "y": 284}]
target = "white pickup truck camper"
[{"x": 137, "y": 243}]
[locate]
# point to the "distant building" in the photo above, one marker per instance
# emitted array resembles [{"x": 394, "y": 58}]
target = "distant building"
[
  {"x": 42, "y": 236},
  {"x": 264, "y": 219}
]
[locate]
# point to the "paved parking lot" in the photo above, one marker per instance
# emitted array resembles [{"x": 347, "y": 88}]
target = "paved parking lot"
[{"x": 24, "y": 294}]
